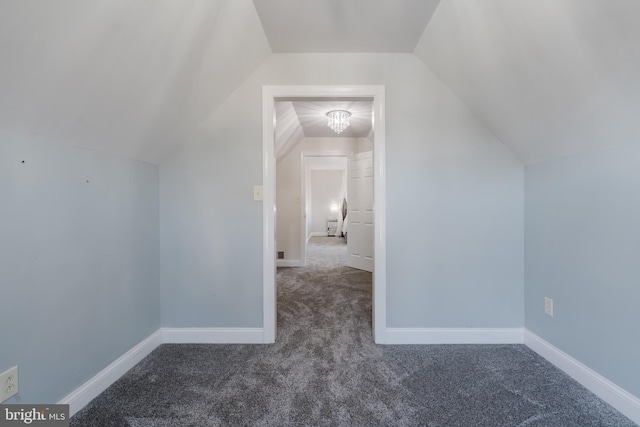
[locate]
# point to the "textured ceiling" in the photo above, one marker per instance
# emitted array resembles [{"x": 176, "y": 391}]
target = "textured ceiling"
[
  {"x": 550, "y": 78},
  {"x": 344, "y": 25}
]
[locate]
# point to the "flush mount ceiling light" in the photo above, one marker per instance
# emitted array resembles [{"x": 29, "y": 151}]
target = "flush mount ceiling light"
[{"x": 338, "y": 120}]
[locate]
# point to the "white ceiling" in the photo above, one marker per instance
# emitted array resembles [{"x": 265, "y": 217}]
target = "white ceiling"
[
  {"x": 344, "y": 25},
  {"x": 306, "y": 118},
  {"x": 550, "y": 78},
  {"x": 313, "y": 119},
  {"x": 120, "y": 76}
]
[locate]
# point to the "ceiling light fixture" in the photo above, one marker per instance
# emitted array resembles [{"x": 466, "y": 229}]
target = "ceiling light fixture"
[{"x": 338, "y": 120}]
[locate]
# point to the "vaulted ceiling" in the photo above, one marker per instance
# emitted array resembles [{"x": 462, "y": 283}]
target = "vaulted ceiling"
[
  {"x": 121, "y": 76},
  {"x": 548, "y": 77},
  {"x": 344, "y": 26}
]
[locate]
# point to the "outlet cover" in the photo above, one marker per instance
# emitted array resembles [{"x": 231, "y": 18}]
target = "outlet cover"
[
  {"x": 8, "y": 383},
  {"x": 548, "y": 306}
]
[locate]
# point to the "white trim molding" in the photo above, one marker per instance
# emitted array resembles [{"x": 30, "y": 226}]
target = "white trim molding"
[
  {"x": 454, "y": 336},
  {"x": 289, "y": 263},
  {"x": 88, "y": 391},
  {"x": 212, "y": 335},
  {"x": 317, "y": 234},
  {"x": 622, "y": 400},
  {"x": 269, "y": 96},
  {"x": 606, "y": 390}
]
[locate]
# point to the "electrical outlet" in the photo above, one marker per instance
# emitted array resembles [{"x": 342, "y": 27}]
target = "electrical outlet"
[
  {"x": 8, "y": 383},
  {"x": 548, "y": 306}
]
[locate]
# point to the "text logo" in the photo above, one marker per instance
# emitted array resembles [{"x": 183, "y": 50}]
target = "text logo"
[{"x": 34, "y": 415}]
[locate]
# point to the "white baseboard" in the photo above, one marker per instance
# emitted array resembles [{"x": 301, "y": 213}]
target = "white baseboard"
[
  {"x": 88, "y": 391},
  {"x": 606, "y": 390},
  {"x": 611, "y": 393},
  {"x": 454, "y": 336},
  {"x": 289, "y": 263},
  {"x": 317, "y": 234},
  {"x": 212, "y": 335}
]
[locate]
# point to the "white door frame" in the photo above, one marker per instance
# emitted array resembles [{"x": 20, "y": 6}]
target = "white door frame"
[
  {"x": 304, "y": 169},
  {"x": 269, "y": 96}
]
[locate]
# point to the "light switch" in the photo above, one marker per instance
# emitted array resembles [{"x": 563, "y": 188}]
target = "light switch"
[{"x": 257, "y": 192}]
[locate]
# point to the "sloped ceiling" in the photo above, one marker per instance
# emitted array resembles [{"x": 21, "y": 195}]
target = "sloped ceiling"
[
  {"x": 125, "y": 77},
  {"x": 550, "y": 78},
  {"x": 288, "y": 130},
  {"x": 304, "y": 26}
]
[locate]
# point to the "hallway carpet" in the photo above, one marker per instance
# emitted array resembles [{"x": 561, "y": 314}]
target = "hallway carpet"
[{"x": 325, "y": 370}]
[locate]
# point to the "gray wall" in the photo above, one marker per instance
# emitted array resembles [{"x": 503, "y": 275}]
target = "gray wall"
[
  {"x": 582, "y": 224},
  {"x": 211, "y": 231},
  {"x": 454, "y": 203},
  {"x": 79, "y": 261}
]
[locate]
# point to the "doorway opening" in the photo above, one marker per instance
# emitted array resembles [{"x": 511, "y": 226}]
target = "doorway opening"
[
  {"x": 324, "y": 194},
  {"x": 274, "y": 94}
]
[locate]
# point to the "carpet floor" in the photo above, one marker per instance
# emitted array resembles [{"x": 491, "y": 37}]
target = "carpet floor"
[{"x": 325, "y": 370}]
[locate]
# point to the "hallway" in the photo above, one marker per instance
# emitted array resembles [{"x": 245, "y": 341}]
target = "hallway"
[{"x": 326, "y": 294}]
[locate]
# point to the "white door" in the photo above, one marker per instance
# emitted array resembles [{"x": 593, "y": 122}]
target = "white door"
[{"x": 360, "y": 211}]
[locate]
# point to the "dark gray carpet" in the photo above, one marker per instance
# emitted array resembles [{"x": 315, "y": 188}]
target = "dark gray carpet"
[{"x": 325, "y": 370}]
